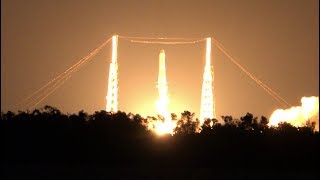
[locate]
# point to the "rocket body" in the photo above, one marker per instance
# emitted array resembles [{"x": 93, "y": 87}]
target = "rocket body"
[
  {"x": 162, "y": 80},
  {"x": 163, "y": 101}
]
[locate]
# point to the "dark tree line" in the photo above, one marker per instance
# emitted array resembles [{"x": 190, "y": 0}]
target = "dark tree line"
[{"x": 48, "y": 136}]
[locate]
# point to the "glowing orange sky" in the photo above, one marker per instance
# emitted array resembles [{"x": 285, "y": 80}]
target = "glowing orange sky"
[{"x": 276, "y": 40}]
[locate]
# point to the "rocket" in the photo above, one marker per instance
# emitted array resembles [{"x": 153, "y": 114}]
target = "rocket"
[
  {"x": 163, "y": 101},
  {"x": 162, "y": 69}
]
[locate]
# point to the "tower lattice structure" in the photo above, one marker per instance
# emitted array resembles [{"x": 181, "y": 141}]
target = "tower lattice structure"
[
  {"x": 207, "y": 102},
  {"x": 112, "y": 96}
]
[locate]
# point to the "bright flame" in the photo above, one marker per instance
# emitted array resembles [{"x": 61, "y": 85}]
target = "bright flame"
[
  {"x": 298, "y": 115},
  {"x": 165, "y": 127}
]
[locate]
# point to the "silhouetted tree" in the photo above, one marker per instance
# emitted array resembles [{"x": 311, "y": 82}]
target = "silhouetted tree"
[
  {"x": 228, "y": 120},
  {"x": 83, "y": 116},
  {"x": 47, "y": 136},
  {"x": 206, "y": 126},
  {"x": 8, "y": 116},
  {"x": 186, "y": 125},
  {"x": 174, "y": 117},
  {"x": 286, "y": 128},
  {"x": 264, "y": 121},
  {"x": 248, "y": 122},
  {"x": 51, "y": 110},
  {"x": 311, "y": 125}
]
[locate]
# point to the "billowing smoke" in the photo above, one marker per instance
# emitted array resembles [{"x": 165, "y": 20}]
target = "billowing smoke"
[{"x": 298, "y": 115}]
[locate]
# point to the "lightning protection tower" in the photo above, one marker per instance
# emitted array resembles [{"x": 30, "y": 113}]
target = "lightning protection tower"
[
  {"x": 112, "y": 97},
  {"x": 207, "y": 103}
]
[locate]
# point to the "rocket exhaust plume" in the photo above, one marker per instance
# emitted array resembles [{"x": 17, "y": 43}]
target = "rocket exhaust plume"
[
  {"x": 165, "y": 126},
  {"x": 298, "y": 115}
]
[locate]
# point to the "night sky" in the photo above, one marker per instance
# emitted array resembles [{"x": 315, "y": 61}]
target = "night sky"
[{"x": 276, "y": 40}]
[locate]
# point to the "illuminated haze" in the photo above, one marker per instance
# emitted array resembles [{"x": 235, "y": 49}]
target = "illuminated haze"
[{"x": 276, "y": 40}]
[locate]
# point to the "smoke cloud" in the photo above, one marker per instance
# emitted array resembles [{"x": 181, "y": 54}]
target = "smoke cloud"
[{"x": 298, "y": 115}]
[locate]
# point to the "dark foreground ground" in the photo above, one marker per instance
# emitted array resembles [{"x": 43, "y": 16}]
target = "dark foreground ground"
[
  {"x": 184, "y": 157},
  {"x": 72, "y": 149}
]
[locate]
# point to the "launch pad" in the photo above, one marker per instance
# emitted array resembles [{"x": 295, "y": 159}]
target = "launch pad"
[{"x": 207, "y": 108}]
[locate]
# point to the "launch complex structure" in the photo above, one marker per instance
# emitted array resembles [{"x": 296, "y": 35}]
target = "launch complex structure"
[{"x": 207, "y": 108}]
